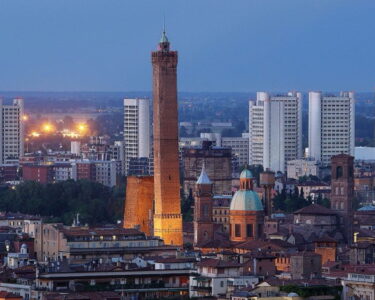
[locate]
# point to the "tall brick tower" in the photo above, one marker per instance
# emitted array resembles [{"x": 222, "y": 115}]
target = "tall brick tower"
[
  {"x": 342, "y": 191},
  {"x": 167, "y": 217},
  {"x": 203, "y": 223}
]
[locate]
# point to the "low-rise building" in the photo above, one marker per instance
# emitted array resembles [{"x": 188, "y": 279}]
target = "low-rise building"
[
  {"x": 42, "y": 173},
  {"x": 26, "y": 223},
  {"x": 106, "y": 172},
  {"x": 359, "y": 285},
  {"x": 218, "y": 277},
  {"x": 305, "y": 265},
  {"x": 302, "y": 167},
  {"x": 84, "y": 244}
]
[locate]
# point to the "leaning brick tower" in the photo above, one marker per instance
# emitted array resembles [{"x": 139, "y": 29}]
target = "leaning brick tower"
[{"x": 167, "y": 215}]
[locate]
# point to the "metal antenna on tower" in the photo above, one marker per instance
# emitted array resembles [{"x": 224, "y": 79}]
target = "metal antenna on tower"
[{"x": 164, "y": 23}]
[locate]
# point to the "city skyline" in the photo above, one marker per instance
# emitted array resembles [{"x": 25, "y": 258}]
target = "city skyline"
[{"x": 251, "y": 46}]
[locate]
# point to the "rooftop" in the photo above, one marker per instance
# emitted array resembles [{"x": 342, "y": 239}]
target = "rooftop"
[
  {"x": 315, "y": 209},
  {"x": 217, "y": 263}
]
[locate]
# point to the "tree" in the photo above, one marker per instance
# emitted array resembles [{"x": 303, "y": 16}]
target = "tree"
[{"x": 61, "y": 201}]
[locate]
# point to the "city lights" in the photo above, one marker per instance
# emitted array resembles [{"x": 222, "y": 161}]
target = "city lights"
[
  {"x": 35, "y": 134},
  {"x": 47, "y": 127},
  {"x": 82, "y": 128},
  {"x": 25, "y": 117}
]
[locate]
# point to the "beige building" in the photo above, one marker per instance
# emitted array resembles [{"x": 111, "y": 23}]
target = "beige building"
[
  {"x": 359, "y": 286},
  {"x": 27, "y": 223},
  {"x": 83, "y": 244},
  {"x": 302, "y": 167}
]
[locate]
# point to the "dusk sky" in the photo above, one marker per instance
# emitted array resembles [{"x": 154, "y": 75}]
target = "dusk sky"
[{"x": 238, "y": 45}]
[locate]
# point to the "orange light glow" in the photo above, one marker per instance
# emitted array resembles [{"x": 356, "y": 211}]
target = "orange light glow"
[
  {"x": 35, "y": 134},
  {"x": 47, "y": 127},
  {"x": 82, "y": 128},
  {"x": 25, "y": 117}
]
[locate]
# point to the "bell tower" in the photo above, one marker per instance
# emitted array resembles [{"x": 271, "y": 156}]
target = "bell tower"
[
  {"x": 342, "y": 191},
  {"x": 203, "y": 223},
  {"x": 167, "y": 214}
]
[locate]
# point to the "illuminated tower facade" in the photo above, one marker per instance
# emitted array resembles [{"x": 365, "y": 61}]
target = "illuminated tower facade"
[{"x": 167, "y": 215}]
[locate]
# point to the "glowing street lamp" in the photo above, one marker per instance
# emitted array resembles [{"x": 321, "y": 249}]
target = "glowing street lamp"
[
  {"x": 82, "y": 128},
  {"x": 47, "y": 127}
]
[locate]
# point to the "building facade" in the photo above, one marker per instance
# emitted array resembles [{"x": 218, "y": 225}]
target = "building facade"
[
  {"x": 136, "y": 129},
  {"x": 239, "y": 146},
  {"x": 342, "y": 191},
  {"x": 275, "y": 130},
  {"x": 218, "y": 165},
  {"x": 302, "y": 167},
  {"x": 167, "y": 217},
  {"x": 246, "y": 211},
  {"x": 12, "y": 132},
  {"x": 203, "y": 221},
  {"x": 331, "y": 125}
]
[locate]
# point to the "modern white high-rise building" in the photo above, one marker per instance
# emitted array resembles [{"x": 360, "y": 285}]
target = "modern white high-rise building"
[
  {"x": 275, "y": 130},
  {"x": 331, "y": 125},
  {"x": 11, "y": 132},
  {"x": 136, "y": 129}
]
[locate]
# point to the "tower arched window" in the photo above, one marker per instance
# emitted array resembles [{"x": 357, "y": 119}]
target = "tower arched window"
[{"x": 339, "y": 172}]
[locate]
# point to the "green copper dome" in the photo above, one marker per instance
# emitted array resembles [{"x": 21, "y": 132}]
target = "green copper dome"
[
  {"x": 246, "y": 174},
  {"x": 246, "y": 200}
]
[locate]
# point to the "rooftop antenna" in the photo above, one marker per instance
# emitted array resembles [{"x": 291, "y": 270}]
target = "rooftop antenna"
[{"x": 164, "y": 23}]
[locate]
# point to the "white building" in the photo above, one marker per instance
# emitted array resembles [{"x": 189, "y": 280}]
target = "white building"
[
  {"x": 197, "y": 141},
  {"x": 216, "y": 277},
  {"x": 239, "y": 146},
  {"x": 275, "y": 130},
  {"x": 63, "y": 171},
  {"x": 360, "y": 285},
  {"x": 256, "y": 131},
  {"x": 136, "y": 129},
  {"x": 11, "y": 132},
  {"x": 105, "y": 172},
  {"x": 302, "y": 167},
  {"x": 331, "y": 125},
  {"x": 75, "y": 147}
]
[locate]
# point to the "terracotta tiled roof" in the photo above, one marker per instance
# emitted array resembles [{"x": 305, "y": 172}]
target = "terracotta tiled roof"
[
  {"x": 315, "y": 209},
  {"x": 326, "y": 238}
]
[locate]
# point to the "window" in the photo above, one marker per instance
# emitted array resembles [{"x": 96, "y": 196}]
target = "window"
[
  {"x": 221, "y": 283},
  {"x": 339, "y": 172},
  {"x": 249, "y": 230},
  {"x": 205, "y": 210},
  {"x": 237, "y": 230}
]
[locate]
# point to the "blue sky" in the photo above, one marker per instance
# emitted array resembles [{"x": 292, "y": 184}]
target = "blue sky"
[{"x": 232, "y": 45}]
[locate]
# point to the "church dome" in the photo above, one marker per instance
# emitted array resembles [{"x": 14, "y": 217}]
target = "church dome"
[
  {"x": 246, "y": 200},
  {"x": 367, "y": 208},
  {"x": 246, "y": 174},
  {"x": 293, "y": 295}
]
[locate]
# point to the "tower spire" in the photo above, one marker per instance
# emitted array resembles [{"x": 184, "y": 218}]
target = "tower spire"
[
  {"x": 203, "y": 178},
  {"x": 164, "y": 42}
]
